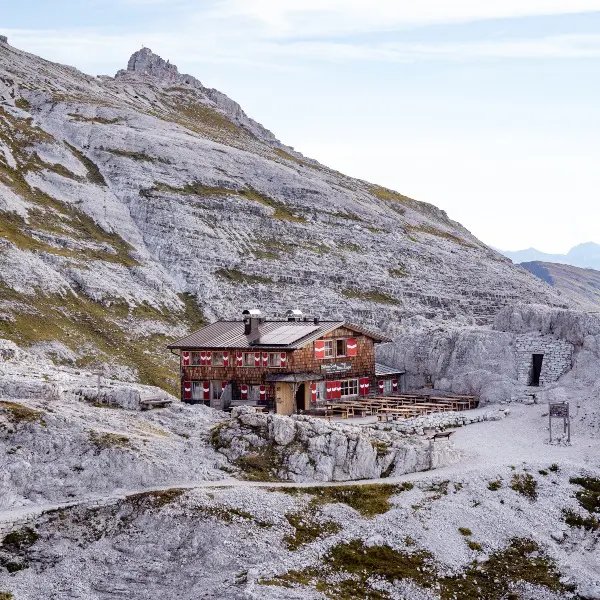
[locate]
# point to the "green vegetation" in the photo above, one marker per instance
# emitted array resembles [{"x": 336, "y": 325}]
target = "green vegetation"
[
  {"x": 543, "y": 472},
  {"x": 438, "y": 489},
  {"x": 137, "y": 156},
  {"x": 154, "y": 499},
  {"x": 19, "y": 540},
  {"x": 437, "y": 232},
  {"x": 94, "y": 174},
  {"x": 103, "y": 441},
  {"x": 6, "y": 596},
  {"x": 495, "y": 485},
  {"x": 554, "y": 468},
  {"x": 368, "y": 500},
  {"x": 93, "y": 330},
  {"x": 525, "y": 484},
  {"x": 262, "y": 464},
  {"x": 230, "y": 515},
  {"x": 381, "y": 447},
  {"x": 474, "y": 545},
  {"x": 589, "y": 500},
  {"x": 349, "y": 247},
  {"x": 18, "y": 413},
  {"x": 99, "y": 120},
  {"x": 371, "y": 296},
  {"x": 307, "y": 529},
  {"x": 465, "y": 531},
  {"x": 236, "y": 276},
  {"x": 349, "y": 569},
  {"x": 23, "y": 104}
]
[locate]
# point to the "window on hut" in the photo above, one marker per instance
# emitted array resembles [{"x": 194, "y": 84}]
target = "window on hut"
[
  {"x": 195, "y": 359},
  {"x": 217, "y": 359},
  {"x": 329, "y": 349},
  {"x": 249, "y": 360},
  {"x": 350, "y": 387},
  {"x": 340, "y": 347},
  {"x": 275, "y": 359}
]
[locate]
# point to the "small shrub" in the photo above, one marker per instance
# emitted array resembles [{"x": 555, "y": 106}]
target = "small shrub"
[
  {"x": 381, "y": 448},
  {"x": 525, "y": 484},
  {"x": 465, "y": 531},
  {"x": 18, "y": 413},
  {"x": 573, "y": 519},
  {"x": 543, "y": 472},
  {"x": 307, "y": 530},
  {"x": 554, "y": 468},
  {"x": 474, "y": 546},
  {"x": 103, "y": 441},
  {"x": 20, "y": 539},
  {"x": 154, "y": 498},
  {"x": 495, "y": 485},
  {"x": 6, "y": 596}
]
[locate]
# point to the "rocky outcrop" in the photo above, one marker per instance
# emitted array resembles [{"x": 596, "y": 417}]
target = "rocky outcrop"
[{"x": 302, "y": 448}]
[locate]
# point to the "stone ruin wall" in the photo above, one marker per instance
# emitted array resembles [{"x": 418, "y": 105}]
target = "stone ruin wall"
[{"x": 558, "y": 358}]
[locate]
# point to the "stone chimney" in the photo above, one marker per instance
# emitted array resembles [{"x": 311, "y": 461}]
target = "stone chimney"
[
  {"x": 252, "y": 319},
  {"x": 3, "y": 39}
]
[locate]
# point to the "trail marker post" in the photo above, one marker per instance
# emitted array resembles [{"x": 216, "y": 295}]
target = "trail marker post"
[{"x": 560, "y": 410}]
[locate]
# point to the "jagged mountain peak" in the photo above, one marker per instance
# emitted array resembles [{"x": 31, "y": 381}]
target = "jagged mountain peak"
[{"x": 146, "y": 62}]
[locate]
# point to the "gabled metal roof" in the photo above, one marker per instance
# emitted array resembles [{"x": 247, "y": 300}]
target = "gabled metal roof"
[
  {"x": 230, "y": 334},
  {"x": 383, "y": 370}
]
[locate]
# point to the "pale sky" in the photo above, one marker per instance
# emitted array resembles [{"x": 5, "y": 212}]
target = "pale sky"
[{"x": 488, "y": 110}]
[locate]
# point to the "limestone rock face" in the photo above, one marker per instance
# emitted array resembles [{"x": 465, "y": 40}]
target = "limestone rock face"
[
  {"x": 130, "y": 200},
  {"x": 145, "y": 62},
  {"x": 301, "y": 448}
]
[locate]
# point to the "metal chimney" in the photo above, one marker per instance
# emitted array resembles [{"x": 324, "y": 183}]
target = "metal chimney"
[
  {"x": 294, "y": 315},
  {"x": 252, "y": 319}
]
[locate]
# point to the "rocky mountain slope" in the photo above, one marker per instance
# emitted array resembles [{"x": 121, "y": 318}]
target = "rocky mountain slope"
[
  {"x": 585, "y": 256},
  {"x": 579, "y": 286},
  {"x": 133, "y": 207}
]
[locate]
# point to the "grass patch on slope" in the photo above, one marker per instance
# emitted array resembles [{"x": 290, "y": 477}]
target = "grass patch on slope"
[
  {"x": 236, "y": 276},
  {"x": 368, "y": 500},
  {"x": 589, "y": 500},
  {"x": 350, "y": 570},
  {"x": 18, "y": 413}
]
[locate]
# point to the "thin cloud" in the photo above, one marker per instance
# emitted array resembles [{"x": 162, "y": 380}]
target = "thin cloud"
[{"x": 309, "y": 18}]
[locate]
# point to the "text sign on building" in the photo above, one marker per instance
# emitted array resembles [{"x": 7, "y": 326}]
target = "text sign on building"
[{"x": 336, "y": 368}]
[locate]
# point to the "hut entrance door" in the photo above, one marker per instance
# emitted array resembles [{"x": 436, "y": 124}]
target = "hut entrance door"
[
  {"x": 301, "y": 397},
  {"x": 284, "y": 398},
  {"x": 536, "y": 369}
]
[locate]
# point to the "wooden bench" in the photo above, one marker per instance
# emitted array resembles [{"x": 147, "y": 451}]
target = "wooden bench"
[{"x": 150, "y": 403}]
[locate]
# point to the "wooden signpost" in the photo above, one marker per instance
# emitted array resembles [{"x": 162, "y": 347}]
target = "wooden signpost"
[{"x": 560, "y": 410}]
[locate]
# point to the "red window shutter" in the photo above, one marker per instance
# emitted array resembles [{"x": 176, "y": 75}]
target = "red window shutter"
[
  {"x": 208, "y": 359},
  {"x": 185, "y": 358},
  {"x": 320, "y": 349},
  {"x": 206, "y": 390},
  {"x": 283, "y": 359},
  {"x": 313, "y": 392},
  {"x": 239, "y": 359},
  {"x": 225, "y": 358},
  {"x": 187, "y": 390},
  {"x": 381, "y": 386},
  {"x": 361, "y": 387},
  {"x": 351, "y": 347},
  {"x": 394, "y": 385},
  {"x": 263, "y": 393},
  {"x": 244, "y": 391},
  {"x": 265, "y": 359},
  {"x": 257, "y": 359}
]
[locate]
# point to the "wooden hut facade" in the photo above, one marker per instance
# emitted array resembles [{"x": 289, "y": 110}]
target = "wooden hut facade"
[{"x": 288, "y": 366}]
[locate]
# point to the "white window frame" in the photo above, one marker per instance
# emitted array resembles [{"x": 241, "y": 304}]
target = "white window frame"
[
  {"x": 253, "y": 360},
  {"x": 192, "y": 362},
  {"x": 351, "y": 384},
  {"x": 329, "y": 348},
  {"x": 345, "y": 342},
  {"x": 272, "y": 357},
  {"x": 214, "y": 361}
]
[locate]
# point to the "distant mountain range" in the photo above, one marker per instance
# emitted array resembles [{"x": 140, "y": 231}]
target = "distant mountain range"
[
  {"x": 579, "y": 286},
  {"x": 585, "y": 256}
]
